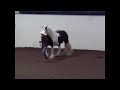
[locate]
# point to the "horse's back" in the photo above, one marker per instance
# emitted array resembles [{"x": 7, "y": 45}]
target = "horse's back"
[{"x": 62, "y": 33}]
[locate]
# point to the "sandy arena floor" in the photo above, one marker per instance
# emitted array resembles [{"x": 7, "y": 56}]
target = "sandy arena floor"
[{"x": 83, "y": 64}]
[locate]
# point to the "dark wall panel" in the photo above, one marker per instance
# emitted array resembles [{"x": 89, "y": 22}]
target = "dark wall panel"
[{"x": 65, "y": 12}]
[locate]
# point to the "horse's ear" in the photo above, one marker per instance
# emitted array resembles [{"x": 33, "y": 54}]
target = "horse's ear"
[{"x": 46, "y": 28}]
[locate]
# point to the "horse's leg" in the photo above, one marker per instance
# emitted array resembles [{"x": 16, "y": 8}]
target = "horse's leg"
[
  {"x": 65, "y": 48},
  {"x": 70, "y": 50},
  {"x": 52, "y": 53},
  {"x": 59, "y": 50}
]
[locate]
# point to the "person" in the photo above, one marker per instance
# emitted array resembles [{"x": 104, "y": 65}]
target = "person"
[{"x": 44, "y": 46}]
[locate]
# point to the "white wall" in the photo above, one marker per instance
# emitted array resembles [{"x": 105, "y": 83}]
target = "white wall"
[{"x": 85, "y": 32}]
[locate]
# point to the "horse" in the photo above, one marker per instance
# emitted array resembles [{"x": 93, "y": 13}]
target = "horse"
[{"x": 55, "y": 38}]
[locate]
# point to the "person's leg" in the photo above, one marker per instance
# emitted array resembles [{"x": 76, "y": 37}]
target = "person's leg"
[{"x": 44, "y": 52}]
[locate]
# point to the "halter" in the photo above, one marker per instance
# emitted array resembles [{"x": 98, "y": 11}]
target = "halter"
[{"x": 43, "y": 32}]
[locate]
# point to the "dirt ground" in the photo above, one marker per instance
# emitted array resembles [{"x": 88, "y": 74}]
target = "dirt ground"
[{"x": 83, "y": 64}]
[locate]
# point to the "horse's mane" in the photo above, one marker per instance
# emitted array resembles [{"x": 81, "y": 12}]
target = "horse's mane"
[{"x": 49, "y": 31}]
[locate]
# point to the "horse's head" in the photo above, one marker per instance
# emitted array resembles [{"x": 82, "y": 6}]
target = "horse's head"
[
  {"x": 46, "y": 31},
  {"x": 43, "y": 32}
]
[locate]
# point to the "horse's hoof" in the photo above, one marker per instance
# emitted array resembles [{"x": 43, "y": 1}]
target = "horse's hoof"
[
  {"x": 69, "y": 54},
  {"x": 45, "y": 60},
  {"x": 51, "y": 57},
  {"x": 57, "y": 55}
]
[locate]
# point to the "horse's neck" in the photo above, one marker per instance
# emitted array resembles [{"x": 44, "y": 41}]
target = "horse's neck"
[
  {"x": 54, "y": 36},
  {"x": 52, "y": 33}
]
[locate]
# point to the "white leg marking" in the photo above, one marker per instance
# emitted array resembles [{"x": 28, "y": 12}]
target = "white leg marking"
[
  {"x": 59, "y": 50},
  {"x": 71, "y": 50},
  {"x": 69, "y": 53},
  {"x": 65, "y": 49},
  {"x": 52, "y": 53}
]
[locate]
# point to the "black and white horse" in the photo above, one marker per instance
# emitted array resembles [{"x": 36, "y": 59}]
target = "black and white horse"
[{"x": 55, "y": 38}]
